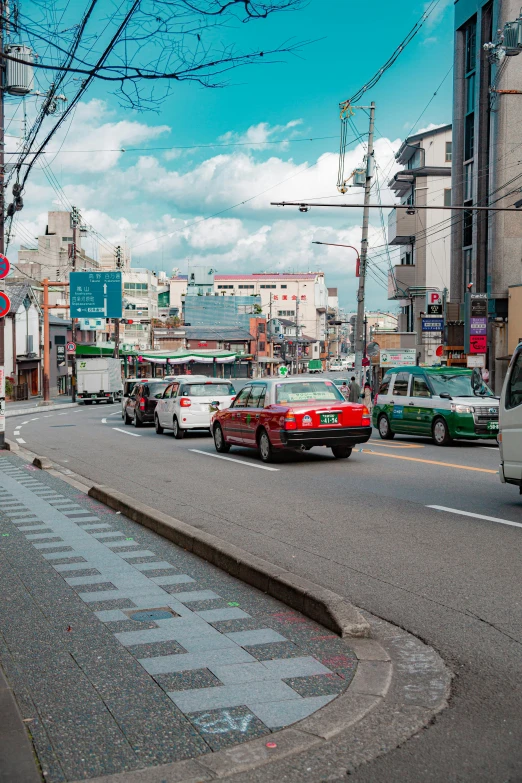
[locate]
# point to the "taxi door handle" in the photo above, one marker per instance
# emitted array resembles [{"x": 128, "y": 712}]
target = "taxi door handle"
[{"x": 411, "y": 403}]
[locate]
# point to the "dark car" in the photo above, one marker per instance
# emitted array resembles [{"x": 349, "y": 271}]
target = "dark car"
[{"x": 140, "y": 406}]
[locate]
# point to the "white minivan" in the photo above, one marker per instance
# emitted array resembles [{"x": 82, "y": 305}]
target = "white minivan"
[{"x": 510, "y": 435}]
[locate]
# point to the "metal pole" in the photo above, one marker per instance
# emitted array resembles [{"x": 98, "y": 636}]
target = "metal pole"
[
  {"x": 46, "y": 337},
  {"x": 116, "y": 338},
  {"x": 2, "y": 244},
  {"x": 359, "y": 340}
]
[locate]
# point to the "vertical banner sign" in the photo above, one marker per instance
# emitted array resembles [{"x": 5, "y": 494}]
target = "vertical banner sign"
[
  {"x": 2, "y": 399},
  {"x": 476, "y": 323},
  {"x": 434, "y": 303}
]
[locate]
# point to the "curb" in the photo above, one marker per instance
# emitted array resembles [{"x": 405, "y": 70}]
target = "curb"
[
  {"x": 38, "y": 409},
  {"x": 324, "y": 606},
  {"x": 17, "y": 760}
]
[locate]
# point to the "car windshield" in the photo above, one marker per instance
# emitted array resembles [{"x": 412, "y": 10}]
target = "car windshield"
[
  {"x": 157, "y": 389},
  {"x": 304, "y": 391},
  {"x": 457, "y": 385},
  {"x": 209, "y": 390}
]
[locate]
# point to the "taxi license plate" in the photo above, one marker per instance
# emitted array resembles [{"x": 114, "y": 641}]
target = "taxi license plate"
[
  {"x": 93, "y": 396},
  {"x": 492, "y": 425},
  {"x": 328, "y": 418}
]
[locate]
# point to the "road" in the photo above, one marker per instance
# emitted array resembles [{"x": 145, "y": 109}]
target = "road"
[{"x": 367, "y": 528}]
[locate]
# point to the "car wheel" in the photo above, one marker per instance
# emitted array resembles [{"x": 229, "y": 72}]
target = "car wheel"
[
  {"x": 179, "y": 434},
  {"x": 126, "y": 418},
  {"x": 137, "y": 421},
  {"x": 265, "y": 447},
  {"x": 219, "y": 440},
  {"x": 441, "y": 435},
  {"x": 385, "y": 430},
  {"x": 159, "y": 428},
  {"x": 341, "y": 452}
]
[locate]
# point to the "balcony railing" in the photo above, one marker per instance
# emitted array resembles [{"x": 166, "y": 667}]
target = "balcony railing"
[{"x": 401, "y": 227}]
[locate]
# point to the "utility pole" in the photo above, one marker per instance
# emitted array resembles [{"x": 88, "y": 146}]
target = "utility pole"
[
  {"x": 297, "y": 331},
  {"x": 75, "y": 219},
  {"x": 2, "y": 244},
  {"x": 360, "y": 346}
]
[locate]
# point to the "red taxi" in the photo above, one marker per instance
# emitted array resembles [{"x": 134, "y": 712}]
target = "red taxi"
[{"x": 289, "y": 413}]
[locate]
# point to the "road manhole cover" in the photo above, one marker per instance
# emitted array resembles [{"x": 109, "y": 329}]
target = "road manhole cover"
[{"x": 148, "y": 615}]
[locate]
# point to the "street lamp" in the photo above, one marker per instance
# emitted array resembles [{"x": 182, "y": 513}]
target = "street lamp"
[{"x": 335, "y": 244}]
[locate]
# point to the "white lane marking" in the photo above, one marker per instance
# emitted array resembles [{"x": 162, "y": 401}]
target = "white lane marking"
[
  {"x": 126, "y": 432},
  {"x": 16, "y": 432},
  {"x": 231, "y": 459},
  {"x": 489, "y": 448},
  {"x": 64, "y": 414},
  {"x": 104, "y": 421},
  {"x": 49, "y": 416},
  {"x": 25, "y": 422},
  {"x": 20, "y": 440},
  {"x": 117, "y": 413},
  {"x": 35, "y": 418},
  {"x": 476, "y": 516}
]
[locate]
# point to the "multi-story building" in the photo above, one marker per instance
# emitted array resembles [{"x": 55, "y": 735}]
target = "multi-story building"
[
  {"x": 487, "y": 136},
  {"x": 54, "y": 256},
  {"x": 140, "y": 300},
  {"x": 423, "y": 235},
  {"x": 301, "y": 297}
]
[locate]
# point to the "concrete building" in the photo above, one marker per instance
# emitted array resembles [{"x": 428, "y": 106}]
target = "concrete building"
[
  {"x": 423, "y": 235},
  {"x": 140, "y": 297},
  {"x": 301, "y": 297},
  {"x": 53, "y": 255},
  {"x": 487, "y": 136}
]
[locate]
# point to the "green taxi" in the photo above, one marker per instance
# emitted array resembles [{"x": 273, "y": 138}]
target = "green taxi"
[{"x": 442, "y": 402}]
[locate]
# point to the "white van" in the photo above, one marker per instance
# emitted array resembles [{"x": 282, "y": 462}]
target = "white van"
[{"x": 510, "y": 436}]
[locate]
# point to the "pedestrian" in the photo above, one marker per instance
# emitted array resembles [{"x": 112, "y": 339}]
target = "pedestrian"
[
  {"x": 368, "y": 396},
  {"x": 355, "y": 391},
  {"x": 345, "y": 390}
]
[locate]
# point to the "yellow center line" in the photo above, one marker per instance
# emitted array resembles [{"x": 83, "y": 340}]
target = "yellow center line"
[
  {"x": 399, "y": 445},
  {"x": 428, "y": 461}
]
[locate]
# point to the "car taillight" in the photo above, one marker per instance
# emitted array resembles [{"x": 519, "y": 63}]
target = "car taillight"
[
  {"x": 290, "y": 422},
  {"x": 365, "y": 415},
  {"x": 143, "y": 403},
  {"x": 185, "y": 402}
]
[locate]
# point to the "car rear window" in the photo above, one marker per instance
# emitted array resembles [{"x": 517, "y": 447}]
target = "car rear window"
[
  {"x": 208, "y": 390},
  {"x": 303, "y": 391},
  {"x": 129, "y": 388},
  {"x": 156, "y": 389}
]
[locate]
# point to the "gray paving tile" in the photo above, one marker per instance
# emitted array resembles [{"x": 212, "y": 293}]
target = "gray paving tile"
[
  {"x": 107, "y": 534},
  {"x": 216, "y": 615},
  {"x": 225, "y": 727},
  {"x": 136, "y": 554},
  {"x": 278, "y": 714},
  {"x": 64, "y": 567},
  {"x": 197, "y": 595},
  {"x": 160, "y": 565},
  {"x": 232, "y": 696},
  {"x": 173, "y": 579},
  {"x": 261, "y": 636},
  {"x": 269, "y": 670},
  {"x": 41, "y": 526},
  {"x": 40, "y": 536},
  {"x": 94, "y": 527},
  {"x": 182, "y": 681},
  {"x": 86, "y": 580},
  {"x": 111, "y": 615},
  {"x": 318, "y": 685},
  {"x": 180, "y": 663}
]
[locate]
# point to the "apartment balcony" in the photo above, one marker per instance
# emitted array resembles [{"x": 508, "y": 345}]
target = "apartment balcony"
[
  {"x": 400, "y": 279},
  {"x": 401, "y": 227}
]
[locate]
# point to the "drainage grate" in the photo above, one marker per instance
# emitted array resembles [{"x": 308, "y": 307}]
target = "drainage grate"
[{"x": 148, "y": 615}]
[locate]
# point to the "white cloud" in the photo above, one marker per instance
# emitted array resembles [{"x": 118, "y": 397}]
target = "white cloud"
[
  {"x": 256, "y": 136},
  {"x": 431, "y": 126}
]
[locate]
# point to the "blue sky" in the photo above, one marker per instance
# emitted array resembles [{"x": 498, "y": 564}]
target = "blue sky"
[{"x": 158, "y": 200}]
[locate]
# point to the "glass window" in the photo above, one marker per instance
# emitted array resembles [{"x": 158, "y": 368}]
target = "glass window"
[
  {"x": 448, "y": 151},
  {"x": 471, "y": 42},
  {"x": 469, "y": 136},
  {"x": 303, "y": 391},
  {"x": 420, "y": 387},
  {"x": 168, "y": 392},
  {"x": 400, "y": 387},
  {"x": 514, "y": 387},
  {"x": 470, "y": 94},
  {"x": 284, "y": 286},
  {"x": 155, "y": 390},
  {"x": 467, "y": 266},
  {"x": 467, "y": 229},
  {"x": 447, "y": 197},
  {"x": 208, "y": 390},
  {"x": 457, "y": 384},
  {"x": 242, "y": 397},
  {"x": 385, "y": 385},
  {"x": 257, "y": 398}
]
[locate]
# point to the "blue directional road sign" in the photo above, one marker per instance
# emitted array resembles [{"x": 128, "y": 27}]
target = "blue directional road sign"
[{"x": 96, "y": 294}]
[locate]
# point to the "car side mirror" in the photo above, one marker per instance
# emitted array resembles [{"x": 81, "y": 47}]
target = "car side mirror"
[{"x": 445, "y": 396}]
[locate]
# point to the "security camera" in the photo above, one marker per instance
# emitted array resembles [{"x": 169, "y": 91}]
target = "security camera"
[{"x": 303, "y": 208}]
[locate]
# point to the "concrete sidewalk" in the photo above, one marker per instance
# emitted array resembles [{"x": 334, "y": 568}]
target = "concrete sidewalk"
[{"x": 126, "y": 652}]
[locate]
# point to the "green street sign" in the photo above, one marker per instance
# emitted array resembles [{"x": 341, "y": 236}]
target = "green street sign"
[{"x": 283, "y": 371}]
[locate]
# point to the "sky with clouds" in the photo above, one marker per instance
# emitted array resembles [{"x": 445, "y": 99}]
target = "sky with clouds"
[{"x": 192, "y": 181}]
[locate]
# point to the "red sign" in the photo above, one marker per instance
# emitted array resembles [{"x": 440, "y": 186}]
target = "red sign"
[
  {"x": 202, "y": 344},
  {"x": 71, "y": 347},
  {"x": 5, "y": 266},
  {"x": 5, "y": 304},
  {"x": 440, "y": 350},
  {"x": 365, "y": 361},
  {"x": 478, "y": 343}
]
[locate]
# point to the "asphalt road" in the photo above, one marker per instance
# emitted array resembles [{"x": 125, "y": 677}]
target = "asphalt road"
[{"x": 364, "y": 527}]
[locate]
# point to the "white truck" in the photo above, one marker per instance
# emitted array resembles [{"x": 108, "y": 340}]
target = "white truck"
[{"x": 99, "y": 380}]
